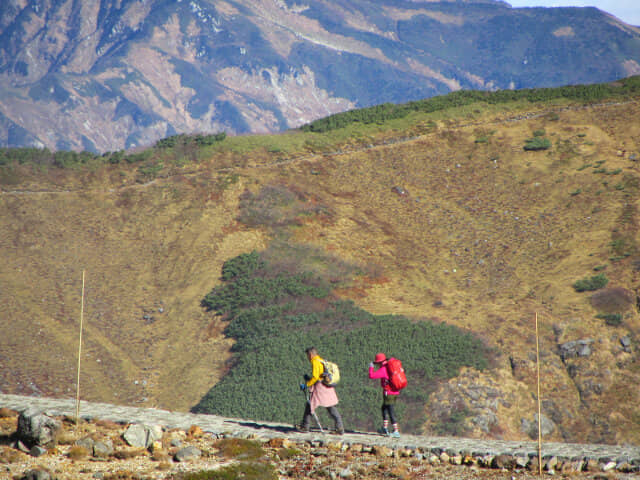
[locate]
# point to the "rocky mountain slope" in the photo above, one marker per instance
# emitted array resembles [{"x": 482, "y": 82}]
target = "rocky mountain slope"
[
  {"x": 447, "y": 216},
  {"x": 116, "y": 74}
]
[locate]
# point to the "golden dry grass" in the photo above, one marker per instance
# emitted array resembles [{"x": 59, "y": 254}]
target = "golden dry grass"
[{"x": 480, "y": 234}]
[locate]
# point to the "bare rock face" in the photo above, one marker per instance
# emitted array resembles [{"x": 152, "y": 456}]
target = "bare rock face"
[
  {"x": 36, "y": 428},
  {"x": 113, "y": 74}
]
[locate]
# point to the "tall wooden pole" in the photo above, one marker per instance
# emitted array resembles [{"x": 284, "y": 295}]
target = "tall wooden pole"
[
  {"x": 79, "y": 354},
  {"x": 539, "y": 407}
]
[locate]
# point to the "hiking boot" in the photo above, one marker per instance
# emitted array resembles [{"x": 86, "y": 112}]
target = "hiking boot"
[
  {"x": 383, "y": 431},
  {"x": 302, "y": 428},
  {"x": 338, "y": 431},
  {"x": 396, "y": 434}
]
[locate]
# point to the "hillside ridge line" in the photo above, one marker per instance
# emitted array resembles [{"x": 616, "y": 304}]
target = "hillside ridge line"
[{"x": 320, "y": 155}]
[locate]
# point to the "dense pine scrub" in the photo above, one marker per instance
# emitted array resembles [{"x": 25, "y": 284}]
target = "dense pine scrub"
[
  {"x": 273, "y": 317},
  {"x": 388, "y": 111}
]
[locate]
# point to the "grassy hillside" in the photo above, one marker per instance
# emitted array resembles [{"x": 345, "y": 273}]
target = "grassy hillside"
[{"x": 446, "y": 216}]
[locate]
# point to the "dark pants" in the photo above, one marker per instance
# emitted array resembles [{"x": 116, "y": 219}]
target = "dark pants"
[
  {"x": 333, "y": 411},
  {"x": 388, "y": 411}
]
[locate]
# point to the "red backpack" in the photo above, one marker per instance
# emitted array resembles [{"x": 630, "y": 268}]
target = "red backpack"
[{"x": 397, "y": 378}]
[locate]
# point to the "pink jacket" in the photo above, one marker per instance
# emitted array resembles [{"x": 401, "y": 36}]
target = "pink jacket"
[{"x": 383, "y": 375}]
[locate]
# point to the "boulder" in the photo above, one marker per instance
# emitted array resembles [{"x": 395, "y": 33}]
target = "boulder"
[
  {"x": 187, "y": 453},
  {"x": 506, "y": 462},
  {"x": 35, "y": 428},
  {"x": 142, "y": 436}
]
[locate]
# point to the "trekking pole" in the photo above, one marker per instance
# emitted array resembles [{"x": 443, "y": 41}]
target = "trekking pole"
[{"x": 315, "y": 416}]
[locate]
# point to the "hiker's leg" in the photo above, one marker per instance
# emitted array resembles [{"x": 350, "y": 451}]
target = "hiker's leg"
[
  {"x": 385, "y": 417},
  {"x": 306, "y": 417},
  {"x": 335, "y": 414},
  {"x": 392, "y": 414}
]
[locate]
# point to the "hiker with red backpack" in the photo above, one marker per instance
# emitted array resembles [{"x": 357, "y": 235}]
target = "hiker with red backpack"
[
  {"x": 392, "y": 380},
  {"x": 322, "y": 393}
]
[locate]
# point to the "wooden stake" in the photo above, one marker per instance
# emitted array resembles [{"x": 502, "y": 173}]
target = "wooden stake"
[
  {"x": 79, "y": 355},
  {"x": 539, "y": 408}
]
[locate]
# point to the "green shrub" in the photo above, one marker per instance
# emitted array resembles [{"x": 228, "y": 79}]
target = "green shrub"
[
  {"x": 240, "y": 449},
  {"x": 611, "y": 319},
  {"x": 185, "y": 140},
  {"x": 537, "y": 143},
  {"x": 245, "y": 470},
  {"x": 539, "y": 133},
  {"x": 274, "y": 315},
  {"x": 592, "y": 283},
  {"x": 381, "y": 113}
]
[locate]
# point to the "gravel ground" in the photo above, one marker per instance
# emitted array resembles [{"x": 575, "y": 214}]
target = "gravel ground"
[{"x": 280, "y": 458}]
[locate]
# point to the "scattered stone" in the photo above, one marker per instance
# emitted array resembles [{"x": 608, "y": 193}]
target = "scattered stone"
[
  {"x": 486, "y": 461},
  {"x": 86, "y": 442},
  {"x": 626, "y": 343},
  {"x": 550, "y": 464},
  {"x": 37, "y": 474},
  {"x": 346, "y": 473},
  {"x": 625, "y": 467},
  {"x": 382, "y": 451},
  {"x": 103, "y": 448},
  {"x": 399, "y": 190},
  {"x": 592, "y": 465},
  {"x": 18, "y": 445},
  {"x": 37, "y": 451},
  {"x": 521, "y": 462},
  {"x": 142, "y": 436},
  {"x": 187, "y": 453},
  {"x": 35, "y": 428},
  {"x": 136, "y": 436},
  {"x": 503, "y": 462},
  {"x": 608, "y": 466},
  {"x": 576, "y": 348}
]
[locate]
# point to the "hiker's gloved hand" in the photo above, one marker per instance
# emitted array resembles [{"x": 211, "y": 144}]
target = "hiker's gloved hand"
[
  {"x": 307, "y": 377},
  {"x": 371, "y": 365},
  {"x": 303, "y": 386}
]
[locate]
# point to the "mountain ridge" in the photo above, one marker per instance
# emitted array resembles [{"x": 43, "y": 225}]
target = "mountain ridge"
[{"x": 111, "y": 76}]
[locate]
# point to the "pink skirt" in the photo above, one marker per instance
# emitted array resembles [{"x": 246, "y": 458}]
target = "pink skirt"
[{"x": 322, "y": 396}]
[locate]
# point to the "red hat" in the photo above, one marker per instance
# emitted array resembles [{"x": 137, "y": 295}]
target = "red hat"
[{"x": 380, "y": 357}]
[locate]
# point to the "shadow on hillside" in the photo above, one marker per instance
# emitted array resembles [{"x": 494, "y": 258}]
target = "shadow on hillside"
[
  {"x": 275, "y": 428},
  {"x": 284, "y": 428}
]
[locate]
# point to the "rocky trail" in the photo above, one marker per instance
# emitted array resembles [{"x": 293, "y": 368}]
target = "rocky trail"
[{"x": 452, "y": 452}]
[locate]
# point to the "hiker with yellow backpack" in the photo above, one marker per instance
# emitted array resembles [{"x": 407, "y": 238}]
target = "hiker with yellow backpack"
[{"x": 322, "y": 393}]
